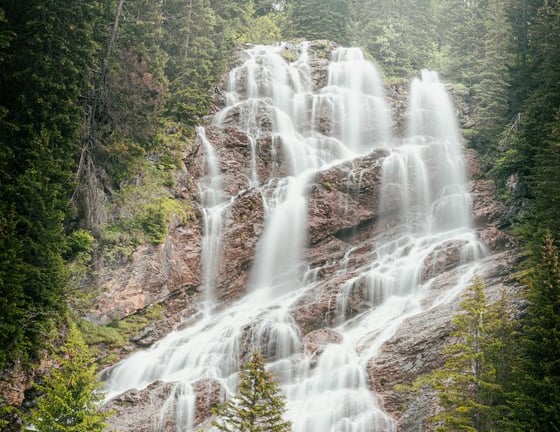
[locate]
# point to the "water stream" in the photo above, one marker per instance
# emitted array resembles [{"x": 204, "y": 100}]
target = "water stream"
[{"x": 314, "y": 129}]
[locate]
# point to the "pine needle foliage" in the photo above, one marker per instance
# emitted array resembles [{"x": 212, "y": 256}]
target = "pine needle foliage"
[
  {"x": 470, "y": 391},
  {"x": 536, "y": 401},
  {"x": 258, "y": 405},
  {"x": 69, "y": 402}
]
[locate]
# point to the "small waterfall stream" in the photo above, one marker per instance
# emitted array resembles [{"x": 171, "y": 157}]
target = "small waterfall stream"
[{"x": 312, "y": 130}]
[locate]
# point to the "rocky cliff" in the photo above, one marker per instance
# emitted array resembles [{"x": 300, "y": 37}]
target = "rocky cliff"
[{"x": 344, "y": 219}]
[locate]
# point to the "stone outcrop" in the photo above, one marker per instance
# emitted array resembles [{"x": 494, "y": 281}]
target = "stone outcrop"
[{"x": 153, "y": 274}]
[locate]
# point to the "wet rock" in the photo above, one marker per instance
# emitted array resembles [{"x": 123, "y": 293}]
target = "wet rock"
[
  {"x": 316, "y": 340},
  {"x": 155, "y": 407},
  {"x": 486, "y": 209},
  {"x": 397, "y": 96},
  {"x": 474, "y": 166},
  {"x": 317, "y": 308},
  {"x": 443, "y": 258},
  {"x": 414, "y": 350},
  {"x": 209, "y": 393},
  {"x": 497, "y": 240},
  {"x": 345, "y": 197},
  {"x": 242, "y": 230},
  {"x": 141, "y": 410}
]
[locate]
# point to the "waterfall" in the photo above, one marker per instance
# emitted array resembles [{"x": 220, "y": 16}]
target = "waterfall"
[
  {"x": 424, "y": 209},
  {"x": 212, "y": 198}
]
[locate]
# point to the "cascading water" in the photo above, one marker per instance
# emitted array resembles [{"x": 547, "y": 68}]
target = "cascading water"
[
  {"x": 212, "y": 198},
  {"x": 313, "y": 129}
]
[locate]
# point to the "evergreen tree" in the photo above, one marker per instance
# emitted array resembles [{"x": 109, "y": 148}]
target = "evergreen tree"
[
  {"x": 460, "y": 32},
  {"x": 319, "y": 19},
  {"x": 257, "y": 406},
  {"x": 47, "y": 51},
  {"x": 195, "y": 58},
  {"x": 491, "y": 92},
  {"x": 399, "y": 34},
  {"x": 536, "y": 404},
  {"x": 467, "y": 384},
  {"x": 68, "y": 402}
]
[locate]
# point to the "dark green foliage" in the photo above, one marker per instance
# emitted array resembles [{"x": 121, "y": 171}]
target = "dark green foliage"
[
  {"x": 472, "y": 383},
  {"x": 491, "y": 90},
  {"x": 47, "y": 50},
  {"x": 257, "y": 406},
  {"x": 399, "y": 34},
  {"x": 68, "y": 402},
  {"x": 536, "y": 400},
  {"x": 318, "y": 19}
]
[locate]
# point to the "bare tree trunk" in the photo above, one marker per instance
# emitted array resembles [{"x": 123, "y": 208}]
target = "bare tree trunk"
[
  {"x": 88, "y": 195},
  {"x": 187, "y": 42},
  {"x": 113, "y": 38}
]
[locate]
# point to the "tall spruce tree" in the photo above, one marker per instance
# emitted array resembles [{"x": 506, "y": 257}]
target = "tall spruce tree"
[
  {"x": 258, "y": 405},
  {"x": 492, "y": 90},
  {"x": 467, "y": 383},
  {"x": 536, "y": 403}
]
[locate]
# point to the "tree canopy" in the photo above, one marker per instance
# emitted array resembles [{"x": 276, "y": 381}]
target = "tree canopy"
[{"x": 258, "y": 405}]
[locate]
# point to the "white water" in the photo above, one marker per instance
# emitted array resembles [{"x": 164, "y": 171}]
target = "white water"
[
  {"x": 312, "y": 129},
  {"x": 212, "y": 198}
]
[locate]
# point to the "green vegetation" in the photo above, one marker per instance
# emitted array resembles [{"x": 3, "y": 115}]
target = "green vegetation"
[
  {"x": 68, "y": 402},
  {"x": 473, "y": 383},
  {"x": 48, "y": 49},
  {"x": 258, "y": 405},
  {"x": 317, "y": 19},
  {"x": 535, "y": 401}
]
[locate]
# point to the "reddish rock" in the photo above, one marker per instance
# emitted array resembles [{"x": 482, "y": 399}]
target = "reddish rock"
[
  {"x": 414, "y": 350},
  {"x": 242, "y": 230},
  {"x": 474, "y": 167},
  {"x": 209, "y": 393},
  {"x": 443, "y": 258},
  {"x": 486, "y": 209},
  {"x": 497, "y": 240},
  {"x": 155, "y": 407},
  {"x": 315, "y": 341},
  {"x": 153, "y": 274}
]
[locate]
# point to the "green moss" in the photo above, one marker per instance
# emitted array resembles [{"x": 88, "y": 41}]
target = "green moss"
[
  {"x": 144, "y": 209},
  {"x": 153, "y": 219},
  {"x": 460, "y": 89},
  {"x": 118, "y": 333},
  {"x": 78, "y": 242},
  {"x": 394, "y": 81},
  {"x": 95, "y": 334},
  {"x": 469, "y": 133}
]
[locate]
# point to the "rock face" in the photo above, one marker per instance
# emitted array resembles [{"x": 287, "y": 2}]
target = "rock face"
[
  {"x": 154, "y": 273},
  {"x": 154, "y": 408},
  {"x": 343, "y": 218}
]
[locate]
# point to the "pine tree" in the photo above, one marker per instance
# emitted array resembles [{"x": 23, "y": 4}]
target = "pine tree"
[
  {"x": 258, "y": 405},
  {"x": 47, "y": 50},
  {"x": 319, "y": 19},
  {"x": 536, "y": 404},
  {"x": 467, "y": 384},
  {"x": 491, "y": 93},
  {"x": 69, "y": 402}
]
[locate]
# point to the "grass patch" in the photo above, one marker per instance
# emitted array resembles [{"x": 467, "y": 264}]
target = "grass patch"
[{"x": 118, "y": 333}]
